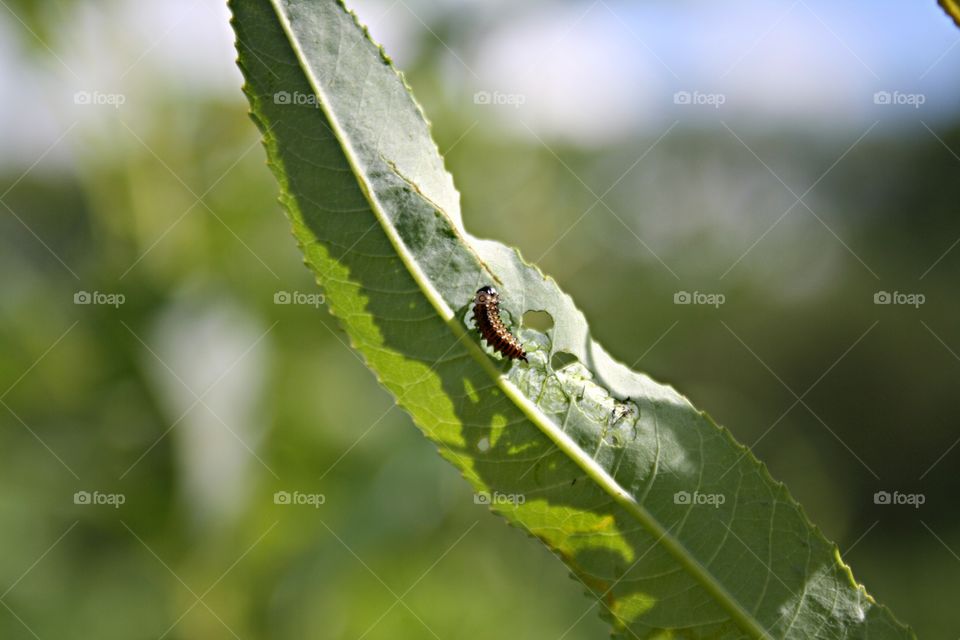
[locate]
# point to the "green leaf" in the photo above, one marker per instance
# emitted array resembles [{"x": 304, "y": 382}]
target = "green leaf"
[{"x": 676, "y": 529}]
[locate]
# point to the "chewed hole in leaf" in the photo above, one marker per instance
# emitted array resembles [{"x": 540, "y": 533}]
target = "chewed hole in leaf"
[
  {"x": 539, "y": 320},
  {"x": 562, "y": 359}
]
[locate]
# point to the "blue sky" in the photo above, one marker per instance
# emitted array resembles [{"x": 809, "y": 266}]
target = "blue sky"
[
  {"x": 610, "y": 66},
  {"x": 590, "y": 71}
]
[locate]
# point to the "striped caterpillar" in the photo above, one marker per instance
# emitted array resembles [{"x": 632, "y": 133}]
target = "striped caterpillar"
[{"x": 486, "y": 315}]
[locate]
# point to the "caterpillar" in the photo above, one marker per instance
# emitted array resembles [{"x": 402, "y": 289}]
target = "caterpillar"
[{"x": 486, "y": 315}]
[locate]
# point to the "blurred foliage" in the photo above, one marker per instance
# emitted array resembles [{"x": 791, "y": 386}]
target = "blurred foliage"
[{"x": 103, "y": 404}]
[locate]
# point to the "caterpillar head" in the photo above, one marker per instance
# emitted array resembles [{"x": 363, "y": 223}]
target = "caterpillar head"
[{"x": 487, "y": 295}]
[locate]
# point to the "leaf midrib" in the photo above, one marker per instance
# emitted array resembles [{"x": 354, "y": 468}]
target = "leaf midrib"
[{"x": 565, "y": 443}]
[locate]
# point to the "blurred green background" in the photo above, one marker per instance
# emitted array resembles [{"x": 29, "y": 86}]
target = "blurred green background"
[{"x": 146, "y": 359}]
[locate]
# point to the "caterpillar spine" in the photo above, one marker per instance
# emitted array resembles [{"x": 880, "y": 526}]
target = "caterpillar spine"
[{"x": 486, "y": 316}]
